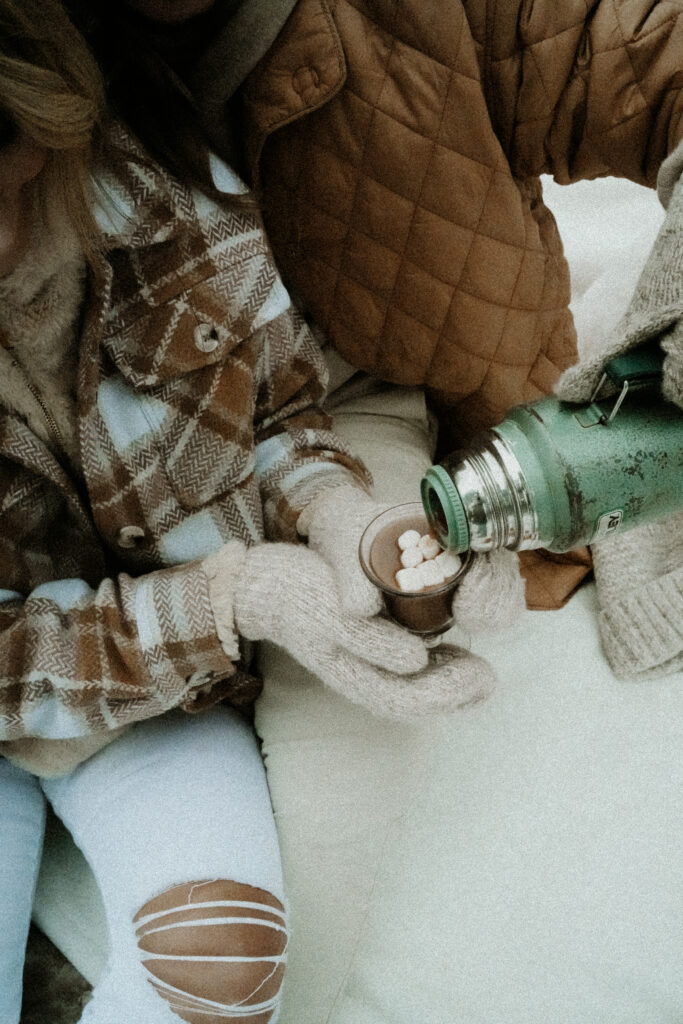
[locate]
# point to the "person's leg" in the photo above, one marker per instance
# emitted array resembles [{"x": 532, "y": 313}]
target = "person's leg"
[
  {"x": 341, "y": 779},
  {"x": 175, "y": 821},
  {"x": 22, "y": 820}
]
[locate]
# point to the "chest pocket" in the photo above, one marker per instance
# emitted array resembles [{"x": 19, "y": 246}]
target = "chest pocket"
[
  {"x": 186, "y": 345},
  {"x": 189, "y": 360}
]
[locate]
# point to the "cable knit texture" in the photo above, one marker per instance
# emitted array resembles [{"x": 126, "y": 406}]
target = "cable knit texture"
[{"x": 287, "y": 594}]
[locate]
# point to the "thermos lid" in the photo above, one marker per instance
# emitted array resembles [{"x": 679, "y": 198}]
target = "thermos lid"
[{"x": 444, "y": 509}]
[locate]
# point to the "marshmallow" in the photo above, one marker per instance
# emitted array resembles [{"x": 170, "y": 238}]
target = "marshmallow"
[
  {"x": 429, "y": 546},
  {"x": 408, "y": 539},
  {"x": 449, "y": 563},
  {"x": 409, "y": 579},
  {"x": 411, "y": 557},
  {"x": 424, "y": 563},
  {"x": 420, "y": 566},
  {"x": 430, "y": 573}
]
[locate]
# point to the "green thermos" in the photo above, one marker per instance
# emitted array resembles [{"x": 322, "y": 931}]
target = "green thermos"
[{"x": 557, "y": 475}]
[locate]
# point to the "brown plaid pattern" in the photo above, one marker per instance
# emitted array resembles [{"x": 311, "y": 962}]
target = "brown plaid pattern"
[{"x": 193, "y": 362}]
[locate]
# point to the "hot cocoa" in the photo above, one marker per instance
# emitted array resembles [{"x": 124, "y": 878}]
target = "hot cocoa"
[{"x": 402, "y": 559}]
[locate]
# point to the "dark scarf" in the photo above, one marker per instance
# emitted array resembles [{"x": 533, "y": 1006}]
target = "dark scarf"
[{"x": 214, "y": 52}]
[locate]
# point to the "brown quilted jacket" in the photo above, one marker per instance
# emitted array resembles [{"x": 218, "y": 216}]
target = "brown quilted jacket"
[{"x": 398, "y": 148}]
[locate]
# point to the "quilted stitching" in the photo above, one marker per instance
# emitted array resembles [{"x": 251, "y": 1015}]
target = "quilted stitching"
[
  {"x": 368, "y": 273},
  {"x": 406, "y": 211}
]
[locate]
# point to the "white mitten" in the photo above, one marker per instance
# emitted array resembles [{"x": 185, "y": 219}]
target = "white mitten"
[
  {"x": 287, "y": 594},
  {"x": 491, "y": 595},
  {"x": 334, "y": 523},
  {"x": 655, "y": 311}
]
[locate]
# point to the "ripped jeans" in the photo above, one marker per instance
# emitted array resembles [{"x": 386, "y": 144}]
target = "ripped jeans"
[{"x": 174, "y": 818}]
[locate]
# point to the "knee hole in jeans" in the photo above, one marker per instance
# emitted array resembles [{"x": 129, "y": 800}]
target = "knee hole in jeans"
[{"x": 215, "y": 950}]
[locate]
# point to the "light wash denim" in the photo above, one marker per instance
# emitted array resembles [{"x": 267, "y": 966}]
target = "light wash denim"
[
  {"x": 22, "y": 822},
  {"x": 176, "y": 799}
]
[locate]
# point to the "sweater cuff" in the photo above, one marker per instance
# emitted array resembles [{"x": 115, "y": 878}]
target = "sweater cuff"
[
  {"x": 642, "y": 633},
  {"x": 223, "y": 570},
  {"x": 669, "y": 173}
]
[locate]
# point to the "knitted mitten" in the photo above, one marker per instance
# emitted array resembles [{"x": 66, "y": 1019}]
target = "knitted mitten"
[
  {"x": 288, "y": 595},
  {"x": 655, "y": 311},
  {"x": 334, "y": 523},
  {"x": 491, "y": 595}
]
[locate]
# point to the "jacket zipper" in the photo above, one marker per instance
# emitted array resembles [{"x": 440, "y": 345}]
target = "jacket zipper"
[{"x": 52, "y": 426}]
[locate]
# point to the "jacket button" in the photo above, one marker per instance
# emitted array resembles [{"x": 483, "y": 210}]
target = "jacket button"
[
  {"x": 206, "y": 337},
  {"x": 305, "y": 80},
  {"x": 129, "y": 536}
]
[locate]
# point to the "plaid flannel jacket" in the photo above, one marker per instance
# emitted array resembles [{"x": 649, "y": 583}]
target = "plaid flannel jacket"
[{"x": 197, "y": 424}]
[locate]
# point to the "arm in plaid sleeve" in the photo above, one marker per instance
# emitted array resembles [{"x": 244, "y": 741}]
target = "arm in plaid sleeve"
[
  {"x": 297, "y": 453},
  {"x": 74, "y": 660}
]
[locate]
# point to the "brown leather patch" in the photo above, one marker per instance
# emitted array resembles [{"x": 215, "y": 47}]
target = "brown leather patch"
[{"x": 553, "y": 578}]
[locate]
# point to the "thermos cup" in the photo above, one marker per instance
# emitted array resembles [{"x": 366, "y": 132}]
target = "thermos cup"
[{"x": 558, "y": 475}]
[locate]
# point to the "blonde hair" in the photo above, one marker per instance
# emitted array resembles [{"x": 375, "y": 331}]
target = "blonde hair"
[{"x": 52, "y": 90}]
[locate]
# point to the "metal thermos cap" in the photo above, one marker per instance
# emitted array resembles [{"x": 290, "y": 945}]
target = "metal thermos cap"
[{"x": 444, "y": 509}]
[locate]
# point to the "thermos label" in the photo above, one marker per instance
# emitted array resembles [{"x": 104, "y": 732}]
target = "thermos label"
[{"x": 609, "y": 523}]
